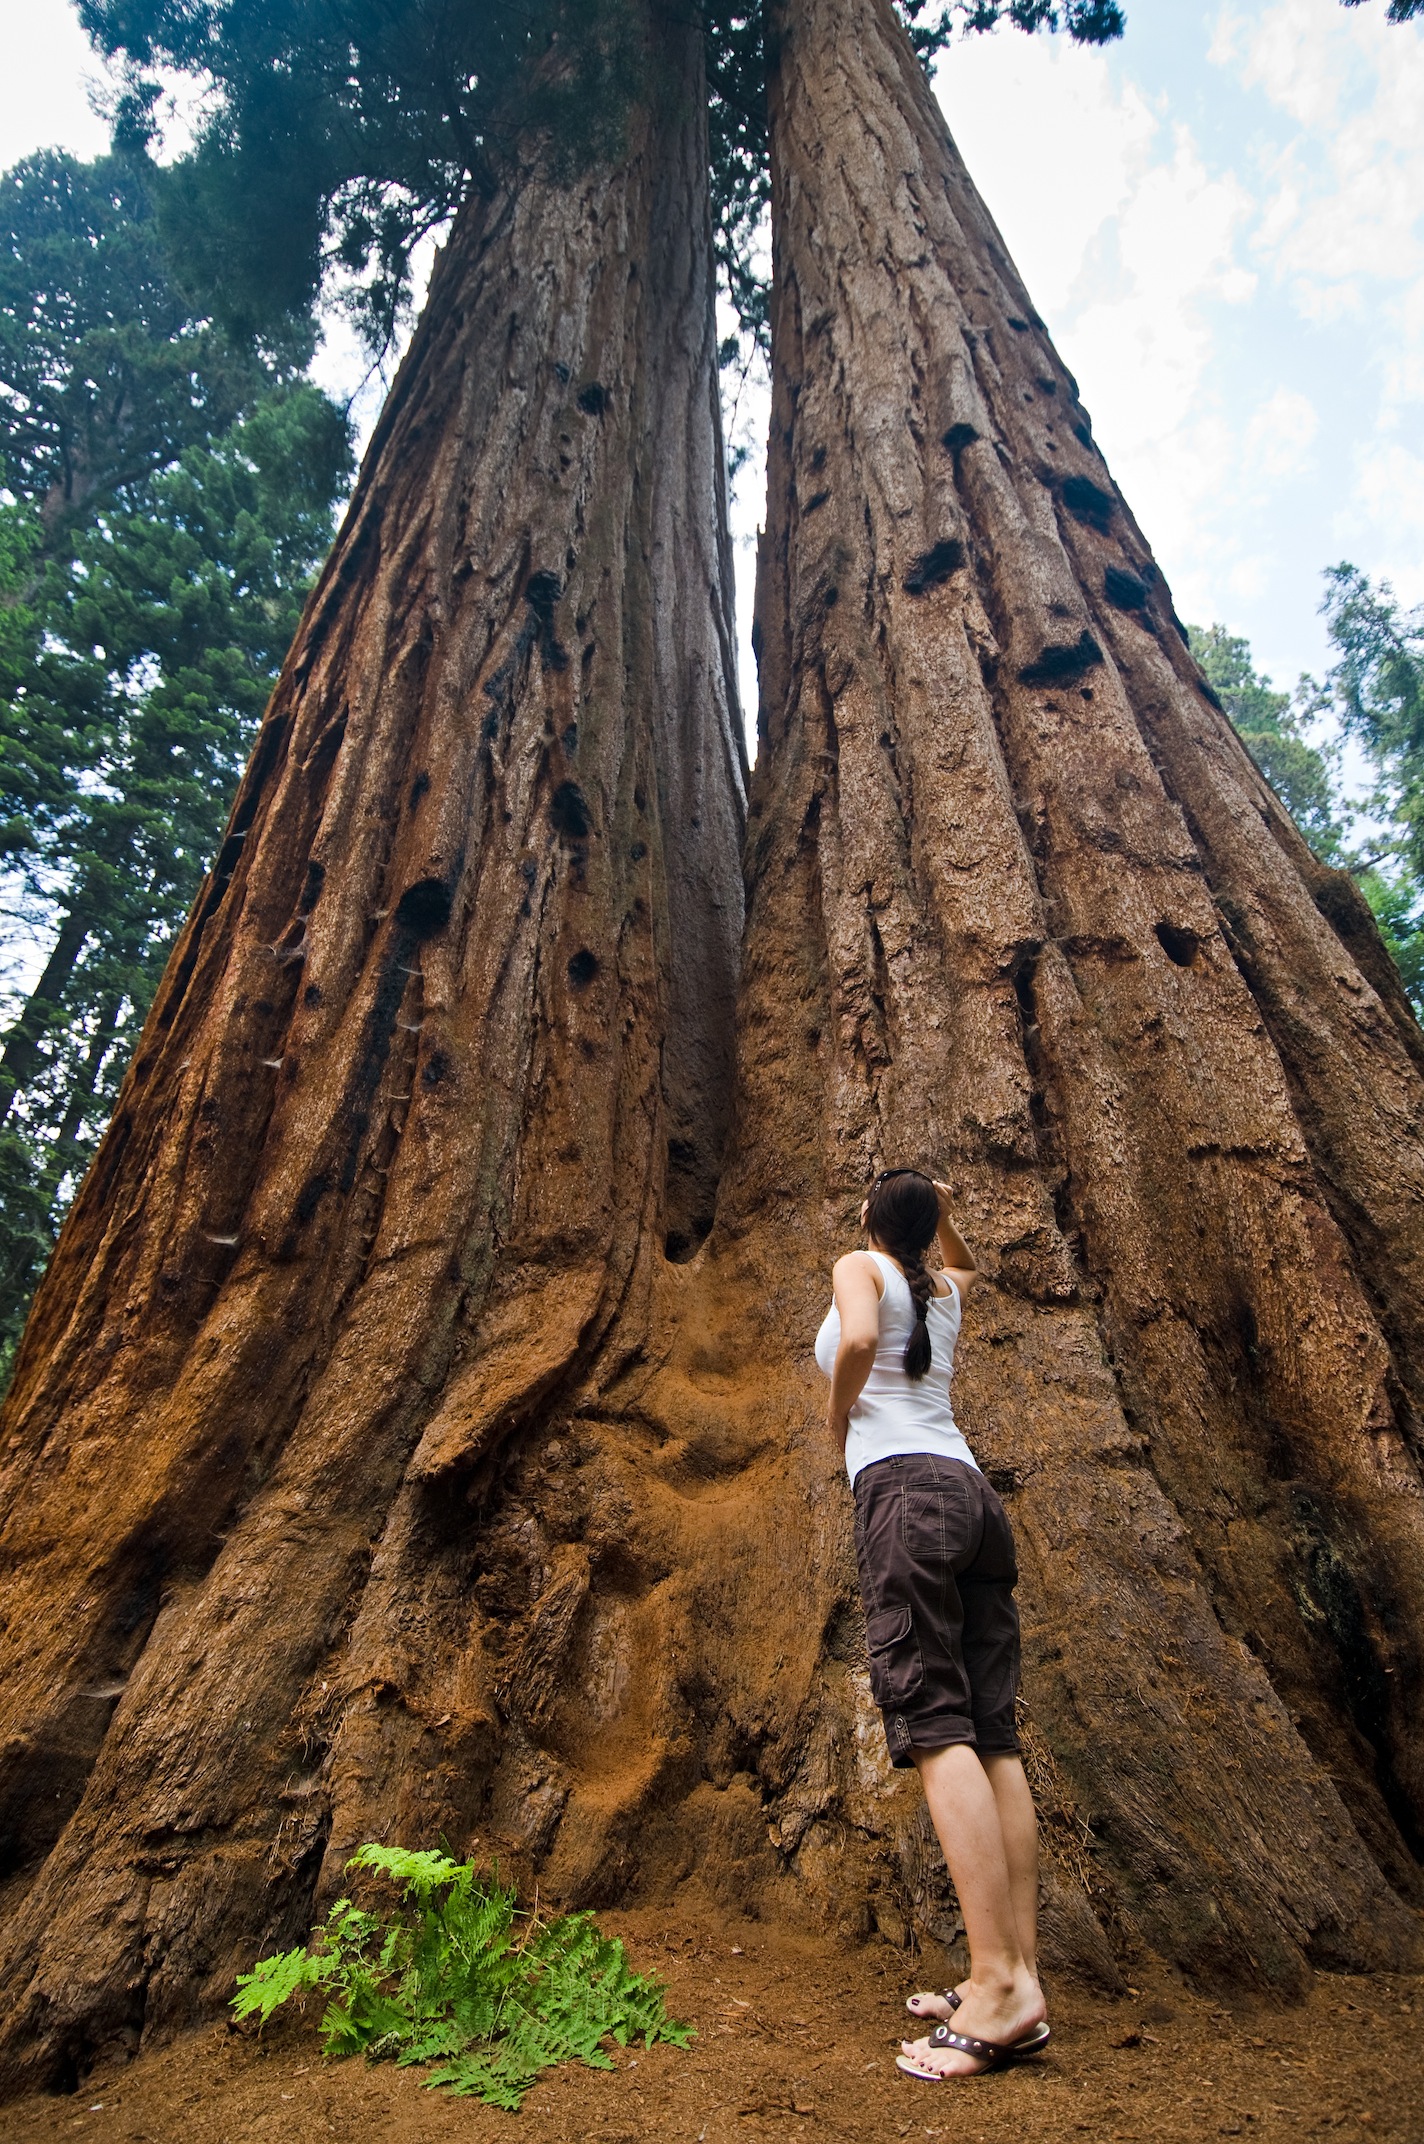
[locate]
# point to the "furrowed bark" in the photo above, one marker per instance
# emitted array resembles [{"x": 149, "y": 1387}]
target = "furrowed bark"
[
  {"x": 1045, "y": 926},
  {"x": 441, "y": 1060}
]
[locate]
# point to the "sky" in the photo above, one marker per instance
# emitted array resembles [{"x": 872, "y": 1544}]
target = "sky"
[{"x": 1221, "y": 219}]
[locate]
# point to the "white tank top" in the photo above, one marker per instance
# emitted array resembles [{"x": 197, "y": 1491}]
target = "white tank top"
[{"x": 895, "y": 1414}]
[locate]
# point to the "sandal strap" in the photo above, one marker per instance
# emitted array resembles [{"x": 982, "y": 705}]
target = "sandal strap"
[{"x": 981, "y": 2050}]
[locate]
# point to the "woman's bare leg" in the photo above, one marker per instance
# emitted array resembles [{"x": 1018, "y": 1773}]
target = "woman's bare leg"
[
  {"x": 1018, "y": 1820},
  {"x": 1002, "y": 1998}
]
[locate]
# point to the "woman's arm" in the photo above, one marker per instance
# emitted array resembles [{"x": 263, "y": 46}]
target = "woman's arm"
[
  {"x": 857, "y": 1285},
  {"x": 955, "y": 1254}
]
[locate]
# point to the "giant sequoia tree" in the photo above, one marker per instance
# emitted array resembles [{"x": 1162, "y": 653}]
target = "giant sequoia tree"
[
  {"x": 381, "y": 1463},
  {"x": 438, "y": 1067}
]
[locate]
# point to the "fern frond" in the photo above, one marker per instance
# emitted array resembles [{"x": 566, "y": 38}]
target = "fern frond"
[
  {"x": 271, "y": 1982},
  {"x": 459, "y": 1976}
]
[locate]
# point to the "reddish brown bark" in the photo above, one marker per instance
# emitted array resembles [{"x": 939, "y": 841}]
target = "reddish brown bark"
[
  {"x": 1050, "y": 929},
  {"x": 442, "y": 1059}
]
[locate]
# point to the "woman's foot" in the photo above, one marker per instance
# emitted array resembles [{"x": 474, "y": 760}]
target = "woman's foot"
[
  {"x": 940, "y": 2008},
  {"x": 1001, "y": 2015}
]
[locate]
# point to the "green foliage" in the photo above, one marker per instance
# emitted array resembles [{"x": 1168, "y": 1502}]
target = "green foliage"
[
  {"x": 1272, "y": 726},
  {"x": 457, "y": 1976},
  {"x": 337, "y": 133},
  {"x": 125, "y": 724},
  {"x": 1374, "y": 692},
  {"x": 1398, "y": 904},
  {"x": 1087, "y": 22},
  {"x": 1399, "y": 10},
  {"x": 1377, "y": 686},
  {"x": 106, "y": 371}
]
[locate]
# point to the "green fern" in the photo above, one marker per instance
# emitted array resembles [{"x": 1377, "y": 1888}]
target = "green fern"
[{"x": 457, "y": 1975}]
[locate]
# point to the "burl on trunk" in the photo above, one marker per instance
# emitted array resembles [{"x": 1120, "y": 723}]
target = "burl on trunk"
[{"x": 378, "y": 1446}]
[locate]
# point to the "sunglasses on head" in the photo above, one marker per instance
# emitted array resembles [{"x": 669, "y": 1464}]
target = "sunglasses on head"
[{"x": 886, "y": 1174}]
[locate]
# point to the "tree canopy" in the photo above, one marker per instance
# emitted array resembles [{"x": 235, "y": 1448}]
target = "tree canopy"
[
  {"x": 1374, "y": 694},
  {"x": 337, "y": 133},
  {"x": 107, "y": 370}
]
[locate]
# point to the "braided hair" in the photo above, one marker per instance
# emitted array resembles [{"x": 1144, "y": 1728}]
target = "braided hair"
[{"x": 902, "y": 1213}]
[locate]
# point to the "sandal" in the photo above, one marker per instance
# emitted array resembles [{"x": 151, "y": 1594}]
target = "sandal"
[
  {"x": 945, "y": 1995},
  {"x": 993, "y": 2054}
]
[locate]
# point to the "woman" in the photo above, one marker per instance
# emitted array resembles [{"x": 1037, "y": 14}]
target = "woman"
[{"x": 937, "y": 1574}]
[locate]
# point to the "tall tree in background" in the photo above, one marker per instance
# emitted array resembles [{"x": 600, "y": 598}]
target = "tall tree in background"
[
  {"x": 447, "y": 1472},
  {"x": 107, "y": 369},
  {"x": 1373, "y": 694},
  {"x": 1376, "y": 691},
  {"x": 169, "y": 496},
  {"x": 1273, "y": 728}
]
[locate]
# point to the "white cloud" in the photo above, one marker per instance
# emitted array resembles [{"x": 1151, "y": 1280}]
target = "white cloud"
[
  {"x": 1343, "y": 201},
  {"x": 1343, "y": 225},
  {"x": 1150, "y": 331},
  {"x": 1130, "y": 251},
  {"x": 46, "y": 83},
  {"x": 1056, "y": 145},
  {"x": 1280, "y": 433},
  {"x": 1384, "y": 518}
]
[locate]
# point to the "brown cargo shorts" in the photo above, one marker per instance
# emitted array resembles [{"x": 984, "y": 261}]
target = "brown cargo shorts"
[{"x": 937, "y": 1576}]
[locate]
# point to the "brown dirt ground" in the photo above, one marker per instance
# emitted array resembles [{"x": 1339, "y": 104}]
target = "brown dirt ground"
[{"x": 796, "y": 2035}]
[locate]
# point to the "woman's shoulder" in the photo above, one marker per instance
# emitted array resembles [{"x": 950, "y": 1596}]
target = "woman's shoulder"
[{"x": 860, "y": 1266}]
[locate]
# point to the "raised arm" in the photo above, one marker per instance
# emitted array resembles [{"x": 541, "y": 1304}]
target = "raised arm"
[
  {"x": 857, "y": 1284},
  {"x": 955, "y": 1254}
]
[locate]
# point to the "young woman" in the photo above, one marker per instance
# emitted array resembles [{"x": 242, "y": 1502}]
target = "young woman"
[{"x": 937, "y": 1576}]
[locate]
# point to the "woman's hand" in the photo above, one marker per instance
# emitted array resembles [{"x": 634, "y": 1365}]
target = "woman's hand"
[{"x": 838, "y": 1422}]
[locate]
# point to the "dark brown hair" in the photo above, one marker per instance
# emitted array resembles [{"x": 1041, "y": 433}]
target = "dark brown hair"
[{"x": 902, "y": 1213}]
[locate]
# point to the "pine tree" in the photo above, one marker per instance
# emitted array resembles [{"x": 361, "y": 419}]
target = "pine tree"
[
  {"x": 156, "y": 640},
  {"x": 1272, "y": 727},
  {"x": 107, "y": 369},
  {"x": 1373, "y": 693},
  {"x": 170, "y": 495}
]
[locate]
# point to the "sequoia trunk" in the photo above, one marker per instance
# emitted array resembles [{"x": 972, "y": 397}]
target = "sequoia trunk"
[
  {"x": 442, "y": 1058},
  {"x": 1043, "y": 923}
]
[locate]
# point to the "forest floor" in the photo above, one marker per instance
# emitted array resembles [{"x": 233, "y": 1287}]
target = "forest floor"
[{"x": 795, "y": 2039}]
